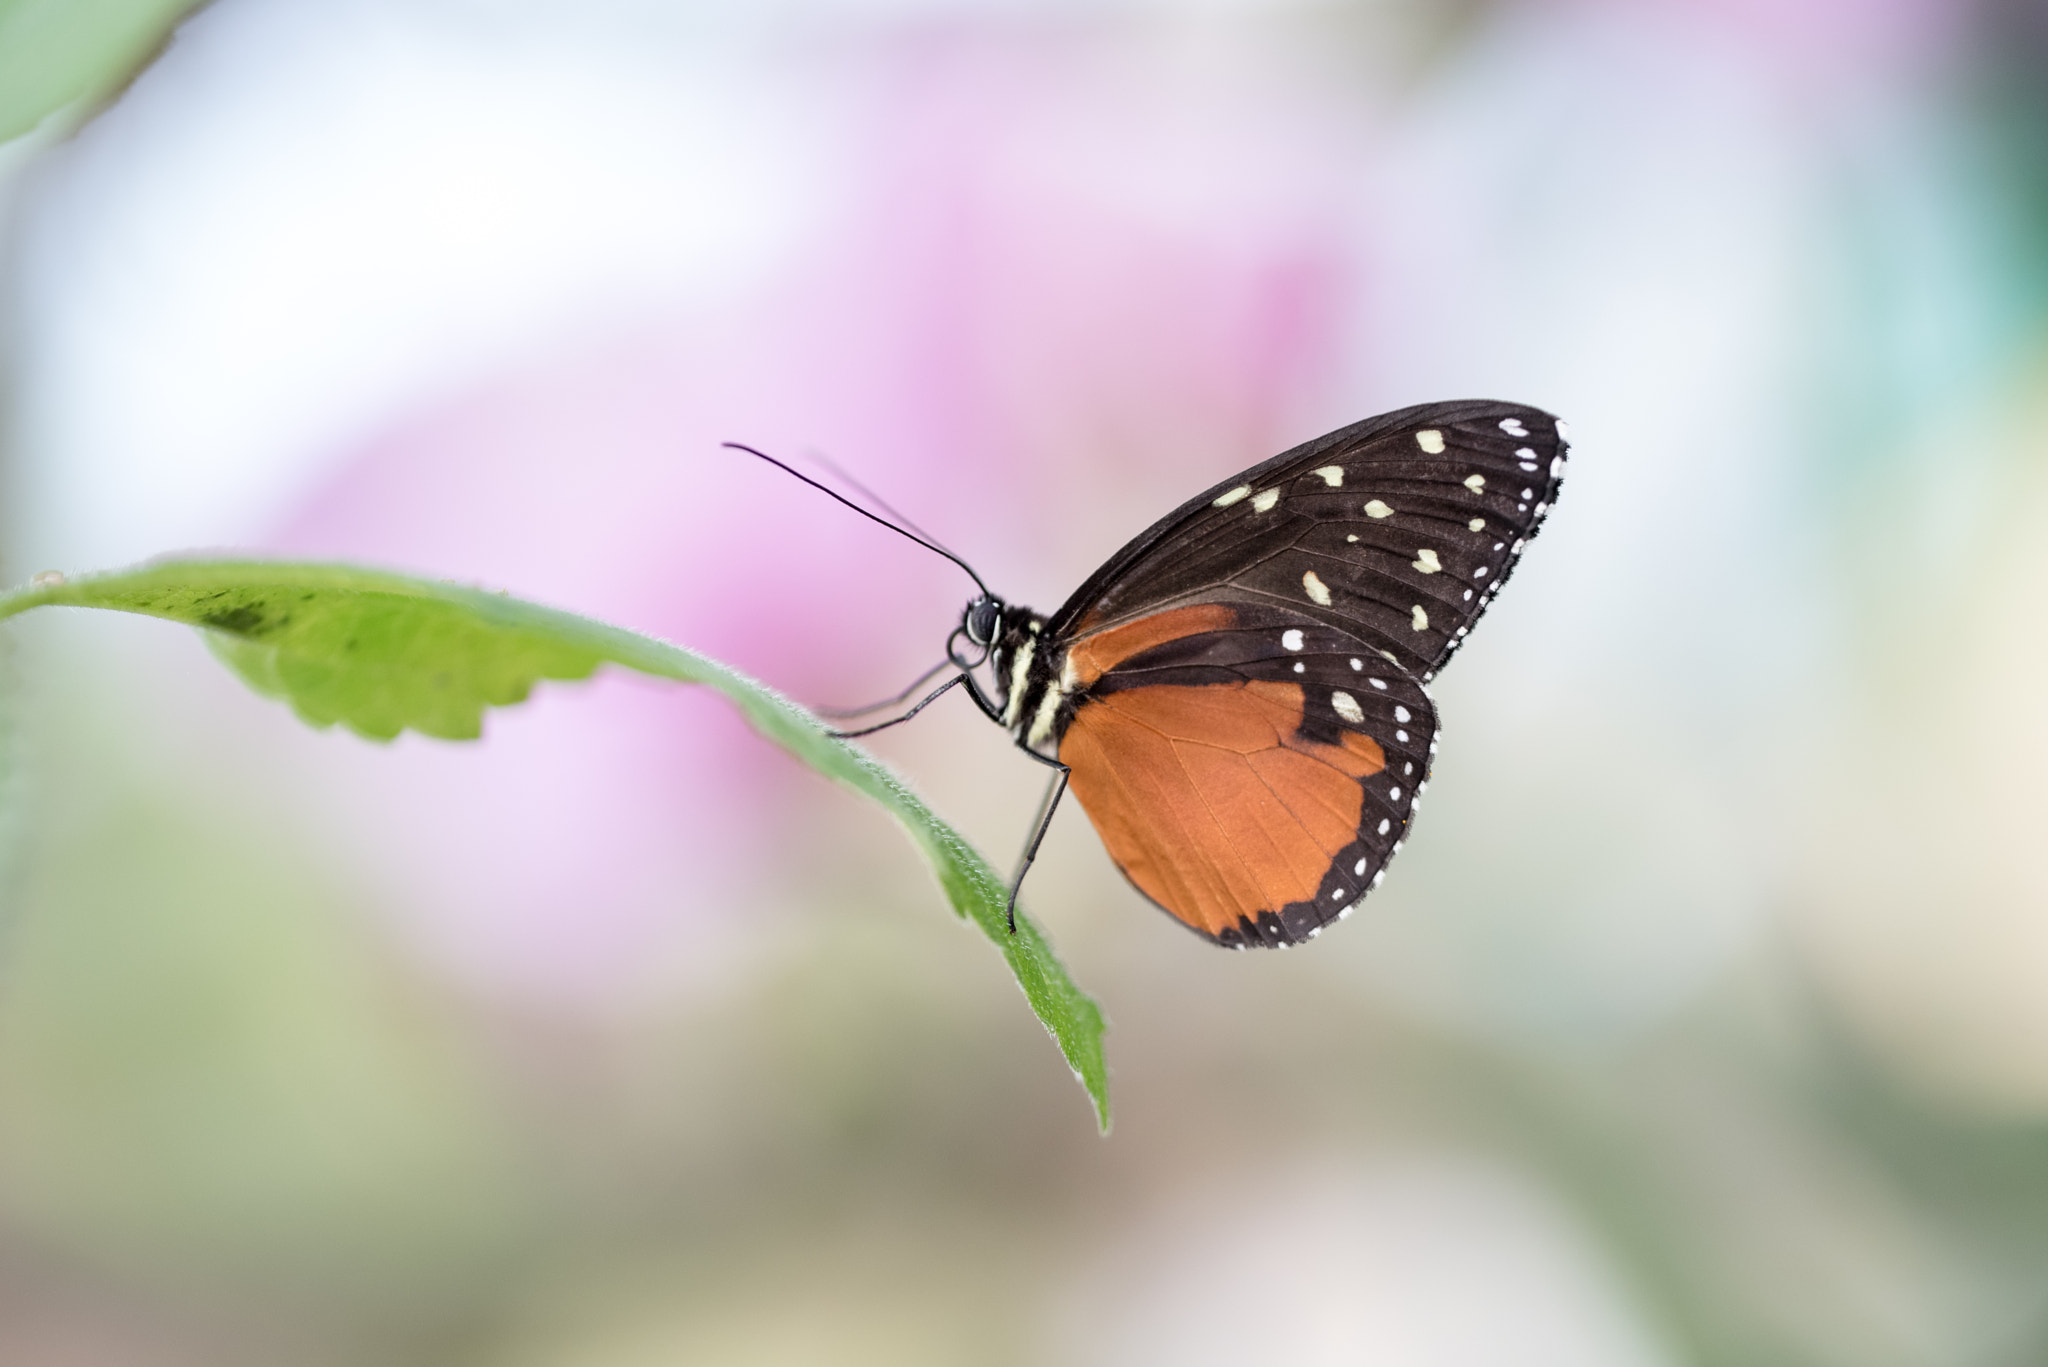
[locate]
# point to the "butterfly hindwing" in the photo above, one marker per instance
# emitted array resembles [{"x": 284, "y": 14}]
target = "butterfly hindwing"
[
  {"x": 1250, "y": 768},
  {"x": 1399, "y": 529}
]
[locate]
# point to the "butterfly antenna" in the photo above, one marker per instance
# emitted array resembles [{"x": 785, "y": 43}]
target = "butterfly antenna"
[
  {"x": 872, "y": 517},
  {"x": 843, "y": 713},
  {"x": 847, "y": 477}
]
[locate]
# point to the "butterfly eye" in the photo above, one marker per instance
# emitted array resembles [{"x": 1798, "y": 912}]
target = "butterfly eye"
[{"x": 982, "y": 616}]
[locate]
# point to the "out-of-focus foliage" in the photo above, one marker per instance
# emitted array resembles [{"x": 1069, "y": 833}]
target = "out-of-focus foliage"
[
  {"x": 381, "y": 653},
  {"x": 57, "y": 53}
]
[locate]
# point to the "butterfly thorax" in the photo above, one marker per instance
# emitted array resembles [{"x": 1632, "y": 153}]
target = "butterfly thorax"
[{"x": 1026, "y": 664}]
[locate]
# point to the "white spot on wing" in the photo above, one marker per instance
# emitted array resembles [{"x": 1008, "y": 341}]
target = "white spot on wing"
[
  {"x": 1291, "y": 638},
  {"x": 1318, "y": 591},
  {"x": 1358, "y": 869},
  {"x": 1477, "y": 524},
  {"x": 1401, "y": 713},
  {"x": 1564, "y": 433},
  {"x": 1264, "y": 500},
  {"x": 1358, "y": 664},
  {"x": 1300, "y": 668},
  {"x": 1385, "y": 825},
  {"x": 1347, "y": 707},
  {"x": 1225, "y": 500},
  {"x": 1333, "y": 475},
  {"x": 1513, "y": 427},
  {"x": 1352, "y": 537},
  {"x": 1430, "y": 440},
  {"x": 1426, "y": 561},
  {"x": 1419, "y": 619},
  {"x": 1378, "y": 509},
  {"x": 1476, "y": 483},
  {"x": 1380, "y": 684}
]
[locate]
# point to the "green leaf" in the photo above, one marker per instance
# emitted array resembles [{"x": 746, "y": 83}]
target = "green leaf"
[
  {"x": 58, "y": 53},
  {"x": 381, "y": 653}
]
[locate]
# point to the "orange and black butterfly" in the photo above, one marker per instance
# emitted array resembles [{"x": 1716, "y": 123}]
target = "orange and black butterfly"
[{"x": 1237, "y": 698}]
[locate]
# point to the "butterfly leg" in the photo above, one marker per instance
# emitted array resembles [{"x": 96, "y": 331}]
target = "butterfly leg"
[
  {"x": 848, "y": 713},
  {"x": 1039, "y": 828},
  {"x": 922, "y": 703},
  {"x": 965, "y": 676},
  {"x": 982, "y": 701}
]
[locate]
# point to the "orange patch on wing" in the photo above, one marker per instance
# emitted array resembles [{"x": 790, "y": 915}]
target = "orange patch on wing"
[
  {"x": 1094, "y": 656},
  {"x": 1210, "y": 802},
  {"x": 1359, "y": 755}
]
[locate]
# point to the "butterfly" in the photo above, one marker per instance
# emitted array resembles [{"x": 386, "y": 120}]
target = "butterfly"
[{"x": 1238, "y": 698}]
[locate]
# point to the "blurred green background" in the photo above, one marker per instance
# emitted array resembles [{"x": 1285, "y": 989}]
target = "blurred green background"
[{"x": 1705, "y": 1020}]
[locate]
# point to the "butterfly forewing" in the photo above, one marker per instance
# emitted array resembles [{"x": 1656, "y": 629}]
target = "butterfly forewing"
[
  {"x": 1399, "y": 530},
  {"x": 1250, "y": 768}
]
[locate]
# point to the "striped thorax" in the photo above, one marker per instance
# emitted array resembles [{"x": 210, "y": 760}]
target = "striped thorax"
[{"x": 1027, "y": 668}]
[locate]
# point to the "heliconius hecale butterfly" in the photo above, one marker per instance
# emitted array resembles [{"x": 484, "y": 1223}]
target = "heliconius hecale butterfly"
[{"x": 1237, "y": 697}]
